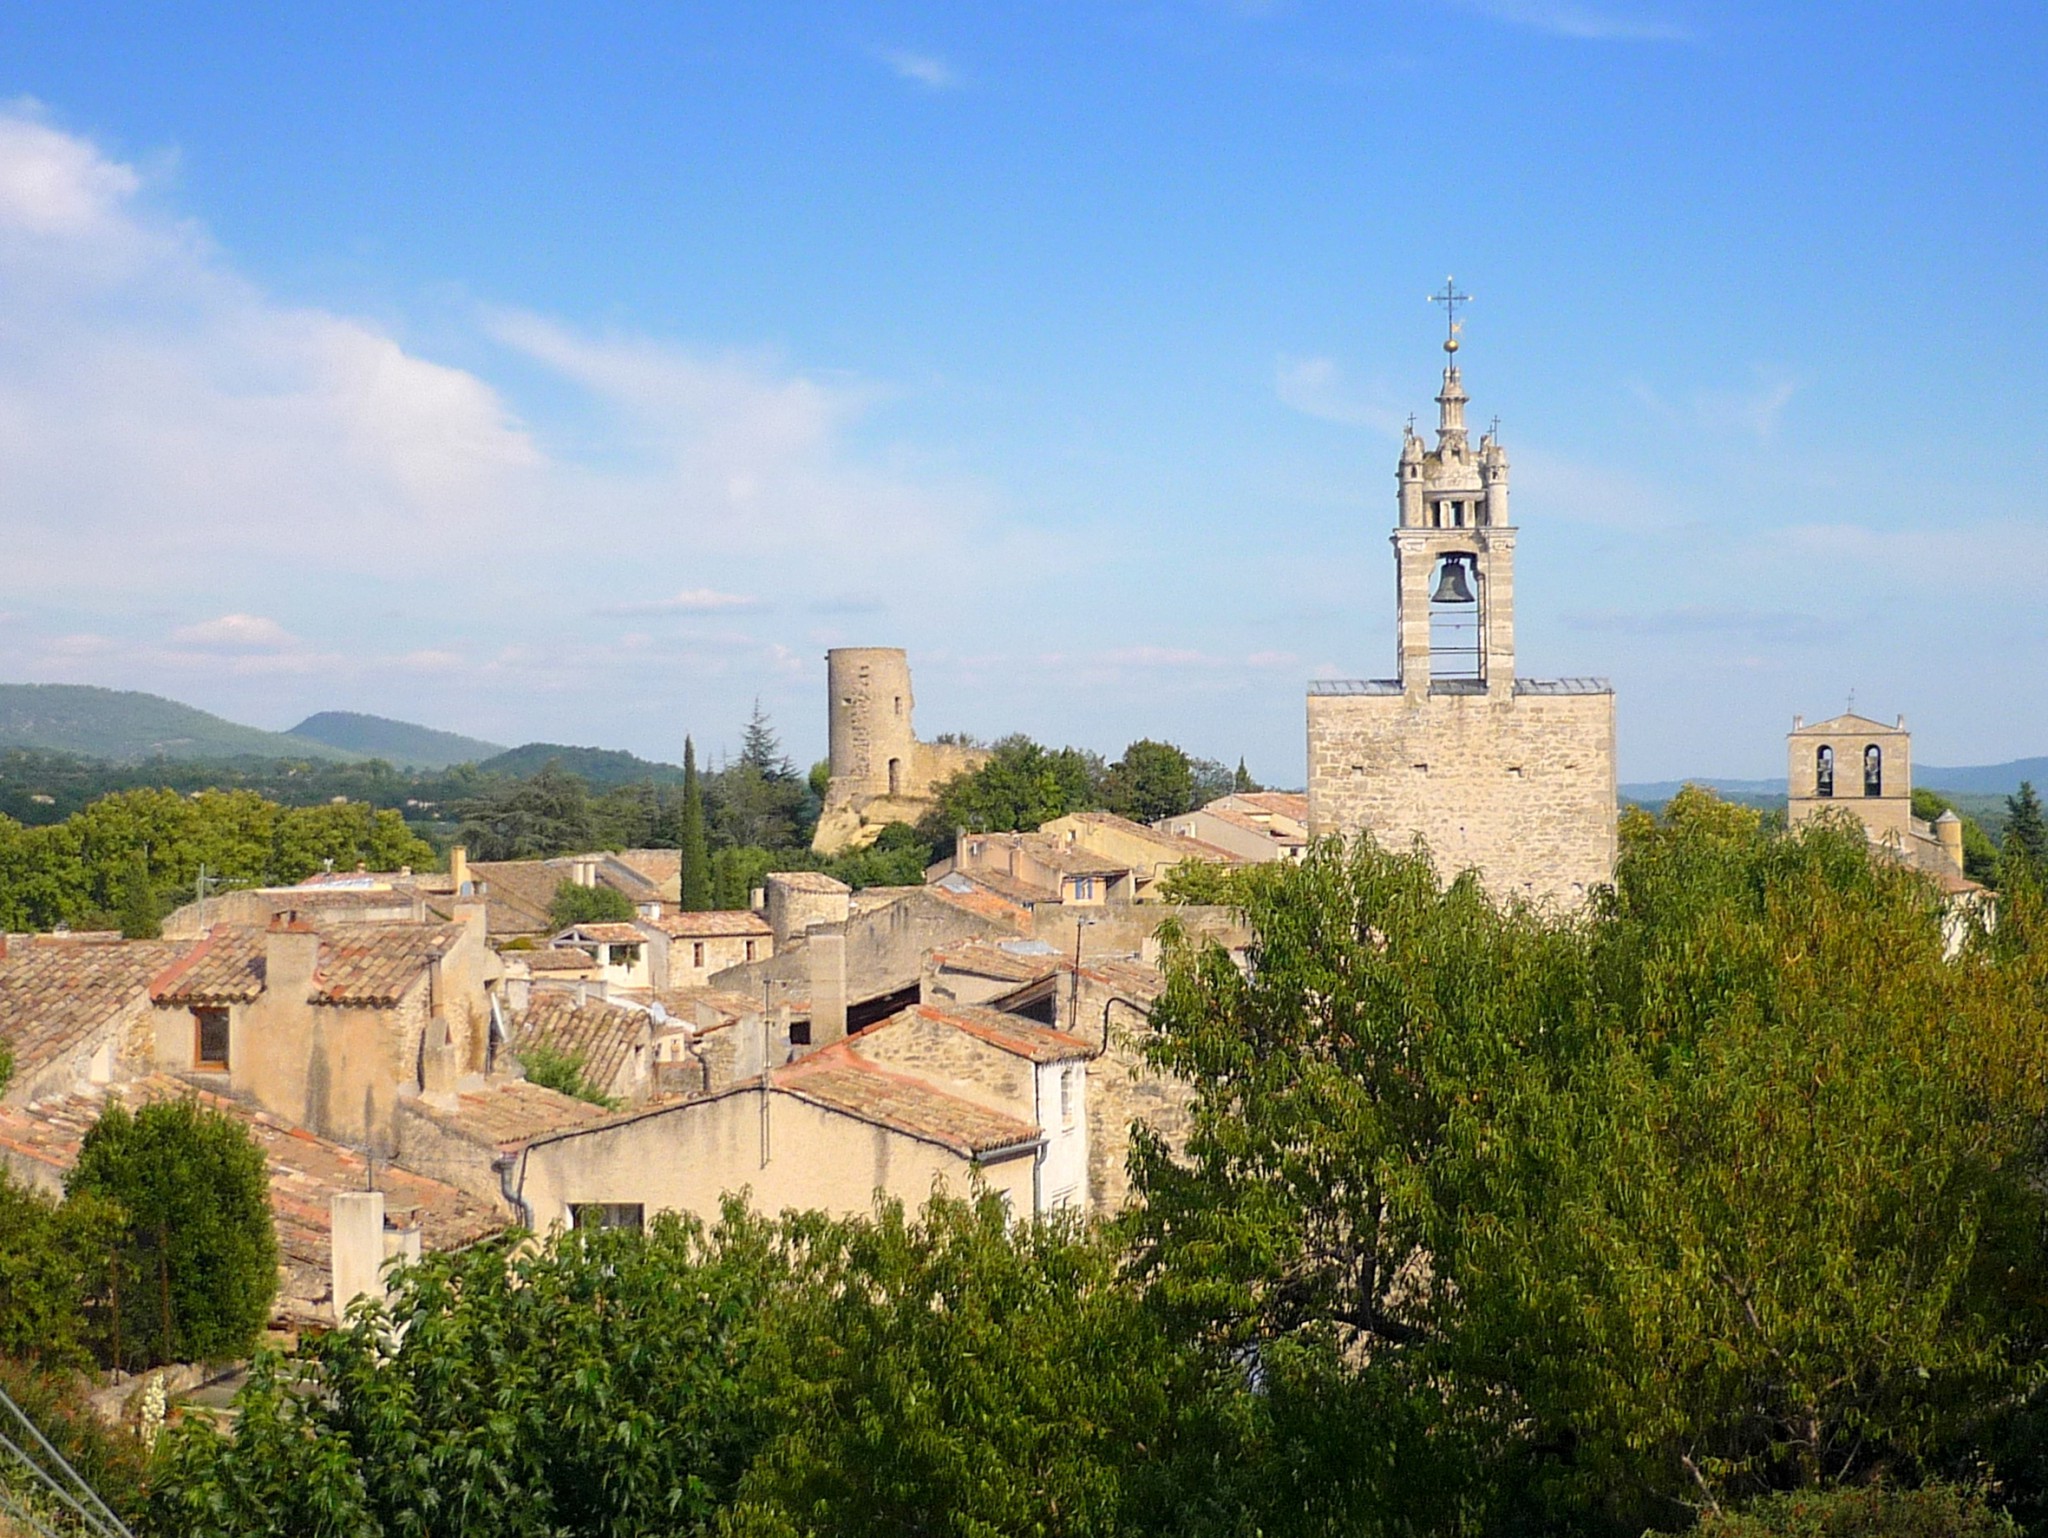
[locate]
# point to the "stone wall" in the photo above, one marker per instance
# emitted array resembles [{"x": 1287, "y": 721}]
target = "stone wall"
[
  {"x": 1519, "y": 786},
  {"x": 949, "y": 1057}
]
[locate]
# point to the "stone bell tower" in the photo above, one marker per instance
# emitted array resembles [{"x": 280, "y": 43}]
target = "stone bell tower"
[{"x": 1512, "y": 777}]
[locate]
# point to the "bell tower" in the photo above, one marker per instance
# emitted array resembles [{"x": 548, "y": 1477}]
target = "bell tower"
[
  {"x": 1509, "y": 776},
  {"x": 1454, "y": 549}
]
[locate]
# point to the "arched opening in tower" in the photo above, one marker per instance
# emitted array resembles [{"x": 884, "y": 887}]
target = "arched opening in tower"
[{"x": 1457, "y": 621}]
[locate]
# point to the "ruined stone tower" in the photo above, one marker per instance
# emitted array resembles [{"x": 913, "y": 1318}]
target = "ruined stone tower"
[
  {"x": 1513, "y": 777},
  {"x": 880, "y": 772}
]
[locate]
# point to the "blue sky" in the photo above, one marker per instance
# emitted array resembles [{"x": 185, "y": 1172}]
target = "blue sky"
[{"x": 584, "y": 372}]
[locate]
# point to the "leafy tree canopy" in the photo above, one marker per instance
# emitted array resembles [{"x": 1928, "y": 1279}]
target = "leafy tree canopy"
[
  {"x": 573, "y": 904},
  {"x": 195, "y": 1265}
]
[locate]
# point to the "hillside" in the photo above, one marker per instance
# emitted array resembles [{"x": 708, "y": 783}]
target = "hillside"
[
  {"x": 396, "y": 742},
  {"x": 124, "y": 726},
  {"x": 600, "y": 768},
  {"x": 1985, "y": 779}
]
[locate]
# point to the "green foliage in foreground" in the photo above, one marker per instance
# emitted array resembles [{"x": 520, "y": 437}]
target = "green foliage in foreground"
[{"x": 1938, "y": 1511}]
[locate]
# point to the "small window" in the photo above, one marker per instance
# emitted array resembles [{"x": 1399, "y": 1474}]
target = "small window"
[
  {"x": 211, "y": 1029},
  {"x": 1873, "y": 770},
  {"x": 895, "y": 776},
  {"x": 697, "y": 955},
  {"x": 631, "y": 1215},
  {"x": 899, "y": 705},
  {"x": 1084, "y": 888},
  {"x": 750, "y": 950},
  {"x": 1824, "y": 771},
  {"x": 1069, "y": 1096}
]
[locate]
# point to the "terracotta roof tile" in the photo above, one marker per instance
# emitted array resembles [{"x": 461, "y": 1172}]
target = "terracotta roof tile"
[
  {"x": 602, "y": 934},
  {"x": 1005, "y": 1032},
  {"x": 512, "y": 1111},
  {"x": 56, "y": 994},
  {"x": 982, "y": 958},
  {"x": 374, "y": 964},
  {"x": 838, "y": 1079},
  {"x": 808, "y": 881},
  {"x": 716, "y": 924},
  {"x": 603, "y": 1035}
]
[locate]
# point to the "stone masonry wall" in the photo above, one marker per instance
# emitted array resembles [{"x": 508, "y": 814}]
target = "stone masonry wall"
[
  {"x": 949, "y": 1057},
  {"x": 1521, "y": 787}
]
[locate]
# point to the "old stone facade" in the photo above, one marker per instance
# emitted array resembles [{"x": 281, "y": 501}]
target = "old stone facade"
[
  {"x": 881, "y": 773},
  {"x": 1512, "y": 777},
  {"x": 1852, "y": 764}
]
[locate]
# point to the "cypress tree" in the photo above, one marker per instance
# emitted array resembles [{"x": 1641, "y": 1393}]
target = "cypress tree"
[
  {"x": 2026, "y": 836},
  {"x": 696, "y": 853},
  {"x": 136, "y": 904}
]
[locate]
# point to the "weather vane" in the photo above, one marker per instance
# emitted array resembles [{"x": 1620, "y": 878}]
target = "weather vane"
[{"x": 1450, "y": 299}]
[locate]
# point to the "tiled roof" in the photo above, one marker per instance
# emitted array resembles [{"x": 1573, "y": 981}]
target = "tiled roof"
[
  {"x": 1281, "y": 803},
  {"x": 959, "y": 891},
  {"x": 982, "y": 959},
  {"x": 1251, "y": 824},
  {"x": 661, "y": 867},
  {"x": 1005, "y": 1032},
  {"x": 511, "y": 1111},
  {"x": 1004, "y": 887},
  {"x": 553, "y": 958},
  {"x": 1132, "y": 979},
  {"x": 839, "y": 1080},
  {"x": 359, "y": 964},
  {"x": 808, "y": 881},
  {"x": 602, "y": 934},
  {"x": 872, "y": 899},
  {"x": 55, "y": 994},
  {"x": 305, "y": 1174},
  {"x": 517, "y": 894},
  {"x": 603, "y": 1035},
  {"x": 719, "y": 923},
  {"x": 729, "y": 1007}
]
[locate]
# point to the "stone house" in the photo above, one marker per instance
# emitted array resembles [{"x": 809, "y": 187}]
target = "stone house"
[
  {"x": 930, "y": 1098},
  {"x": 1149, "y": 853},
  {"x": 327, "y": 1029},
  {"x": 1255, "y": 826},
  {"x": 685, "y": 950},
  {"x": 621, "y": 952},
  {"x": 76, "y": 1012},
  {"x": 1041, "y": 868}
]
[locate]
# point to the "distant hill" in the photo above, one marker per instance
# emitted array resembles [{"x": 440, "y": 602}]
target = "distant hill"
[
  {"x": 602, "y": 768},
  {"x": 124, "y": 726},
  {"x": 1657, "y": 792},
  {"x": 396, "y": 742},
  {"x": 1985, "y": 779}
]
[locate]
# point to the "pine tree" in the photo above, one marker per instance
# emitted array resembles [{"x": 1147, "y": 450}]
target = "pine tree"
[
  {"x": 1243, "y": 781},
  {"x": 136, "y": 904},
  {"x": 761, "y": 749},
  {"x": 696, "y": 854},
  {"x": 2026, "y": 833}
]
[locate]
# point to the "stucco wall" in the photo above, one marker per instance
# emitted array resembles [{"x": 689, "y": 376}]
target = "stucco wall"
[
  {"x": 1520, "y": 787},
  {"x": 685, "y": 1158}
]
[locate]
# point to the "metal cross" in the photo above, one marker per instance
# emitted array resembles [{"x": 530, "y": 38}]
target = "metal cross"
[{"x": 1450, "y": 299}]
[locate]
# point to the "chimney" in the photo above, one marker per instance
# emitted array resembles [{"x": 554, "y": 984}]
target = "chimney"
[
  {"x": 291, "y": 955},
  {"x": 586, "y": 873},
  {"x": 1949, "y": 829},
  {"x": 356, "y": 1237},
  {"x": 827, "y": 954},
  {"x": 458, "y": 869},
  {"x": 473, "y": 913}
]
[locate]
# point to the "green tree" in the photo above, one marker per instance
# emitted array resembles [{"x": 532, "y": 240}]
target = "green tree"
[
  {"x": 604, "y": 1382},
  {"x": 534, "y": 819},
  {"x": 573, "y": 904},
  {"x": 1733, "y": 1183},
  {"x": 141, "y": 918},
  {"x": 1874, "y": 1511},
  {"x": 53, "y": 1269},
  {"x": 1152, "y": 780},
  {"x": 897, "y": 857},
  {"x": 953, "y": 1373},
  {"x": 2026, "y": 833},
  {"x": 1021, "y": 786},
  {"x": 1242, "y": 781},
  {"x": 554, "y": 1069},
  {"x": 696, "y": 851},
  {"x": 193, "y": 1272}
]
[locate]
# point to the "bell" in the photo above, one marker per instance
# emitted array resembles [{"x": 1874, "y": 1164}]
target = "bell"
[{"x": 1451, "y": 586}]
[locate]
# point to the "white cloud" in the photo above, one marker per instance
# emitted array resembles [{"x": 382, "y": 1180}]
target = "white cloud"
[
  {"x": 1586, "y": 23},
  {"x": 1317, "y": 387},
  {"x": 925, "y": 69},
  {"x": 696, "y": 600},
  {"x": 236, "y": 633},
  {"x": 54, "y": 185},
  {"x": 1754, "y": 411}
]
